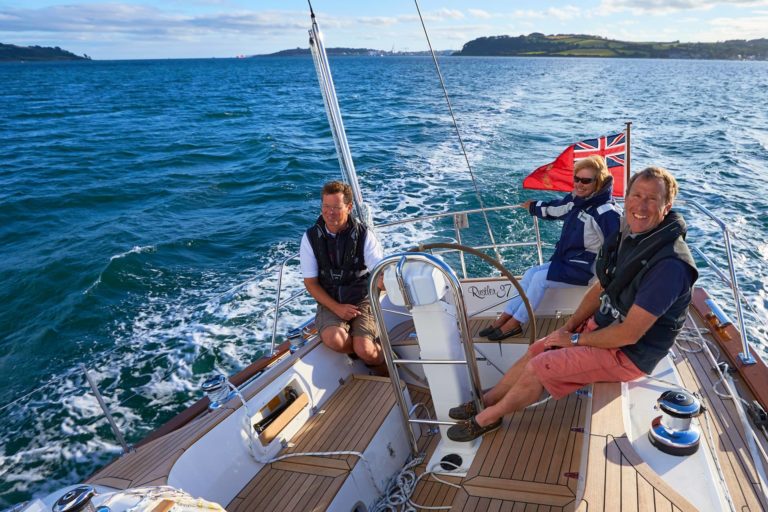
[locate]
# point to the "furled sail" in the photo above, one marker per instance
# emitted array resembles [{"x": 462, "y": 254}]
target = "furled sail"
[{"x": 323, "y": 70}]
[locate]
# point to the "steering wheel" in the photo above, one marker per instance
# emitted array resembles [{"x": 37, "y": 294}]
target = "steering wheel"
[{"x": 498, "y": 266}]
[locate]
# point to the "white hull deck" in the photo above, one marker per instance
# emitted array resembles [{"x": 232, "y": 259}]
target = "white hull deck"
[{"x": 569, "y": 454}]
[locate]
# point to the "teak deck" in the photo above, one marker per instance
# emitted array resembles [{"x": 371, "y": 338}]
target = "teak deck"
[
  {"x": 698, "y": 375},
  {"x": 348, "y": 422}
]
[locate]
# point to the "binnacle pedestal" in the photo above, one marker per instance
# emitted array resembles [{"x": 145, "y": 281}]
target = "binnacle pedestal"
[{"x": 432, "y": 303}]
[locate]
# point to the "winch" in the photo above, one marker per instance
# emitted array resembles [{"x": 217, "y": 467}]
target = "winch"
[
  {"x": 76, "y": 500},
  {"x": 217, "y": 390},
  {"x": 673, "y": 432}
]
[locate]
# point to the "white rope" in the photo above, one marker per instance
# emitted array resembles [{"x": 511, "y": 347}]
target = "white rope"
[
  {"x": 701, "y": 342},
  {"x": 397, "y": 497},
  {"x": 250, "y": 431},
  {"x": 542, "y": 401},
  {"x": 252, "y": 444},
  {"x": 759, "y": 445},
  {"x": 719, "y": 468},
  {"x": 759, "y": 469}
]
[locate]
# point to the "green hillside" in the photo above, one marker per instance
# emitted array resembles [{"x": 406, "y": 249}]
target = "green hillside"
[
  {"x": 579, "y": 45},
  {"x": 11, "y": 52}
]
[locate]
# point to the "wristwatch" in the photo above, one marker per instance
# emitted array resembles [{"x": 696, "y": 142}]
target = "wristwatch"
[{"x": 575, "y": 338}]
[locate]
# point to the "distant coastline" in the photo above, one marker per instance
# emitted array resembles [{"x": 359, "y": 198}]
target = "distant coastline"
[
  {"x": 575, "y": 45},
  {"x": 299, "y": 52},
  {"x": 533, "y": 45},
  {"x": 13, "y": 53}
]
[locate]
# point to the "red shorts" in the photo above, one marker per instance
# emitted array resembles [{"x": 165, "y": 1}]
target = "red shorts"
[{"x": 563, "y": 371}]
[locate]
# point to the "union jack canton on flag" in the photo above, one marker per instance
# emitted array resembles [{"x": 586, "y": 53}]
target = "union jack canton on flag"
[{"x": 558, "y": 175}]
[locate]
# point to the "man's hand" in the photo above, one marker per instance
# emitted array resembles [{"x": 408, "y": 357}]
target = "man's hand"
[
  {"x": 557, "y": 339},
  {"x": 346, "y": 311},
  {"x": 527, "y": 204}
]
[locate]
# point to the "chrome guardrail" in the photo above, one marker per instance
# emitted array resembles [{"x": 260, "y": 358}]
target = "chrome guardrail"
[
  {"x": 746, "y": 355},
  {"x": 278, "y": 304},
  {"x": 460, "y": 222}
]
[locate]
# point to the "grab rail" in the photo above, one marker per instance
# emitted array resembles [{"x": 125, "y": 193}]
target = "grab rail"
[
  {"x": 746, "y": 355},
  {"x": 277, "y": 300}
]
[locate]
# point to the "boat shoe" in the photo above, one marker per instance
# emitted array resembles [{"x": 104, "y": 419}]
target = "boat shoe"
[
  {"x": 468, "y": 430},
  {"x": 463, "y": 411},
  {"x": 488, "y": 331},
  {"x": 498, "y": 336}
]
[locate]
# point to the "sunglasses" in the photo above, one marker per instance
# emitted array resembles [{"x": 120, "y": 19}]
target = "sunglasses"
[
  {"x": 585, "y": 181},
  {"x": 334, "y": 209}
]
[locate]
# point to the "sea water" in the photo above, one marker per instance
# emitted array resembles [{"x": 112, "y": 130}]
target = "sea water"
[{"x": 146, "y": 205}]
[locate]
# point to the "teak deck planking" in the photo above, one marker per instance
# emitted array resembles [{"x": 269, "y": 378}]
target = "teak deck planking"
[{"x": 348, "y": 422}]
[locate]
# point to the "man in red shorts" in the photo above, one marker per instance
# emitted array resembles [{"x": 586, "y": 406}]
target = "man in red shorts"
[{"x": 626, "y": 322}]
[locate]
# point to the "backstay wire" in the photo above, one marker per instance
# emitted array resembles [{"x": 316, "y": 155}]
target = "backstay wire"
[{"x": 458, "y": 133}]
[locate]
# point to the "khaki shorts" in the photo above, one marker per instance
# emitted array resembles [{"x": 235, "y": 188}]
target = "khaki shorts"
[{"x": 363, "y": 325}]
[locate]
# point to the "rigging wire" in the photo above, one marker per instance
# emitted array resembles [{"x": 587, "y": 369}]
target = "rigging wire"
[{"x": 458, "y": 133}]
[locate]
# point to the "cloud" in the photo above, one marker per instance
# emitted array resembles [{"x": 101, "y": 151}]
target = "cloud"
[
  {"x": 437, "y": 16},
  {"x": 140, "y": 20},
  {"x": 564, "y": 13},
  {"x": 479, "y": 13},
  {"x": 659, "y": 7},
  {"x": 379, "y": 20},
  {"x": 452, "y": 14},
  {"x": 528, "y": 14},
  {"x": 753, "y": 27}
]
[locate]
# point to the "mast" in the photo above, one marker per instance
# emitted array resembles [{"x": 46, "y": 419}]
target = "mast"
[{"x": 333, "y": 112}]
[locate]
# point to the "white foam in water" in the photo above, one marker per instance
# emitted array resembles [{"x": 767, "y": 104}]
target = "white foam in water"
[{"x": 137, "y": 249}]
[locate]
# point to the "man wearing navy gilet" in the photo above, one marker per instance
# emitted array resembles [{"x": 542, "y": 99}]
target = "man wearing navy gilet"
[
  {"x": 337, "y": 253},
  {"x": 626, "y": 322}
]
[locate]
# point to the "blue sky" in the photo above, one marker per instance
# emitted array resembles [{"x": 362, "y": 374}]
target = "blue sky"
[{"x": 226, "y": 28}]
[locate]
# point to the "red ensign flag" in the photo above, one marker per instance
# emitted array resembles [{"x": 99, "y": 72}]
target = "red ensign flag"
[{"x": 558, "y": 175}]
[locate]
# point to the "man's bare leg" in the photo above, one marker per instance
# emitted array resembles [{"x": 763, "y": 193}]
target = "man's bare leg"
[
  {"x": 337, "y": 339},
  {"x": 526, "y": 390},
  {"x": 371, "y": 354},
  {"x": 368, "y": 350},
  {"x": 507, "y": 381}
]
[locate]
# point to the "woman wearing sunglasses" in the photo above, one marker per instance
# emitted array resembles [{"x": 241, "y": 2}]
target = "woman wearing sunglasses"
[{"x": 590, "y": 217}]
